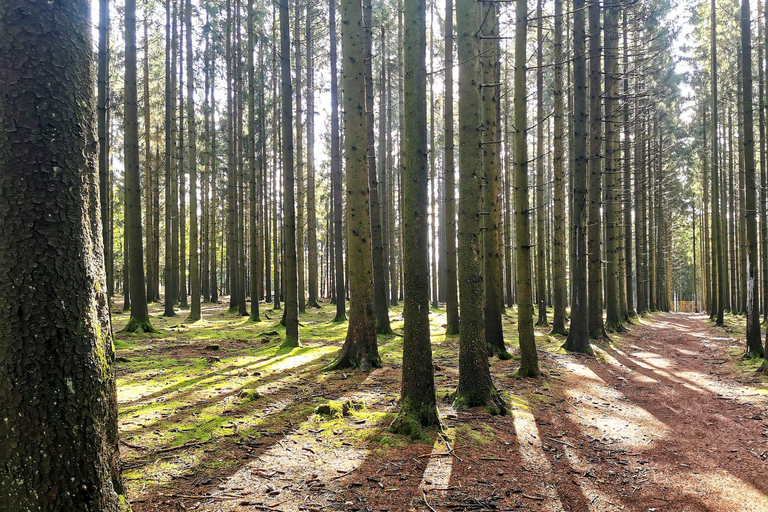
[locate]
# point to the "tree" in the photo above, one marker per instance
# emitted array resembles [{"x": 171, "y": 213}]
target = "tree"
[
  {"x": 476, "y": 387},
  {"x": 336, "y": 178},
  {"x": 139, "y": 320},
  {"x": 291, "y": 312},
  {"x": 529, "y": 360},
  {"x": 754, "y": 344},
  {"x": 360, "y": 349},
  {"x": 558, "y": 242},
  {"x": 311, "y": 202},
  {"x": 102, "y": 108},
  {"x": 194, "y": 255},
  {"x": 492, "y": 227},
  {"x": 451, "y": 287},
  {"x": 594, "y": 226},
  {"x": 170, "y": 145},
  {"x": 57, "y": 380},
  {"x": 718, "y": 271},
  {"x": 418, "y": 405},
  {"x": 578, "y": 334},
  {"x": 541, "y": 212},
  {"x": 253, "y": 170}
]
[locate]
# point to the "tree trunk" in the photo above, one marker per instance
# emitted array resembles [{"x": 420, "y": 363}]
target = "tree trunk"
[
  {"x": 418, "y": 404},
  {"x": 578, "y": 335},
  {"x": 102, "y": 102},
  {"x": 170, "y": 150},
  {"x": 476, "y": 387},
  {"x": 718, "y": 284},
  {"x": 558, "y": 252},
  {"x": 60, "y": 450},
  {"x": 451, "y": 286},
  {"x": 311, "y": 202},
  {"x": 754, "y": 343},
  {"x": 360, "y": 349},
  {"x": 299, "y": 163},
  {"x": 194, "y": 261},
  {"x": 139, "y": 320},
  {"x": 493, "y": 275},
  {"x": 291, "y": 313},
  {"x": 541, "y": 244},
  {"x": 253, "y": 167},
  {"x": 336, "y": 178},
  {"x": 148, "y": 232}
]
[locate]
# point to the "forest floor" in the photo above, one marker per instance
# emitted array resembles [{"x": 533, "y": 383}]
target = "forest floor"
[{"x": 214, "y": 416}]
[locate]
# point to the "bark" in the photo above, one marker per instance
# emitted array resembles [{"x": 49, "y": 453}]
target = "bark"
[
  {"x": 360, "y": 349},
  {"x": 379, "y": 276},
  {"x": 214, "y": 192},
  {"x": 149, "y": 231},
  {"x": 578, "y": 335},
  {"x": 299, "y": 163},
  {"x": 627, "y": 182},
  {"x": 558, "y": 249},
  {"x": 612, "y": 170},
  {"x": 541, "y": 243},
  {"x": 102, "y": 102},
  {"x": 529, "y": 361},
  {"x": 253, "y": 167},
  {"x": 194, "y": 255},
  {"x": 57, "y": 378},
  {"x": 311, "y": 202},
  {"x": 754, "y": 344},
  {"x": 476, "y": 387},
  {"x": 493, "y": 276},
  {"x": 182, "y": 214},
  {"x": 170, "y": 148},
  {"x": 336, "y": 177},
  {"x": 594, "y": 224},
  {"x": 291, "y": 313},
  {"x": 451, "y": 286},
  {"x": 139, "y": 320},
  {"x": 718, "y": 284},
  {"x": 418, "y": 404}
]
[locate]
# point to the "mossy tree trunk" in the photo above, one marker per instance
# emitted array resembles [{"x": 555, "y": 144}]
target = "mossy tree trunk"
[
  {"x": 578, "y": 334},
  {"x": 57, "y": 383},
  {"x": 360, "y": 349},
  {"x": 529, "y": 360},
  {"x": 418, "y": 405},
  {"x": 475, "y": 384}
]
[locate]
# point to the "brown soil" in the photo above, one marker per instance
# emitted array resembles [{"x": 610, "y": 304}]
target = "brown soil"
[{"x": 663, "y": 421}]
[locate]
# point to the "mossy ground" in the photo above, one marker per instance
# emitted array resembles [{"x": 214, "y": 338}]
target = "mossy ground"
[
  {"x": 200, "y": 426},
  {"x": 187, "y": 410}
]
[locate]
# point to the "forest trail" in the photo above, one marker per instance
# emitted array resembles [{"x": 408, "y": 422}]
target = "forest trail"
[{"x": 662, "y": 419}]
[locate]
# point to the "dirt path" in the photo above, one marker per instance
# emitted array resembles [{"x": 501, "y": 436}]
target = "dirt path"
[{"x": 661, "y": 422}]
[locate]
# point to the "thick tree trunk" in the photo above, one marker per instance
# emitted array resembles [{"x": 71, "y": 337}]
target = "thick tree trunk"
[
  {"x": 149, "y": 231},
  {"x": 57, "y": 381},
  {"x": 170, "y": 149},
  {"x": 476, "y": 387},
  {"x": 718, "y": 284},
  {"x": 541, "y": 244},
  {"x": 418, "y": 404},
  {"x": 299, "y": 162},
  {"x": 360, "y": 349},
  {"x": 253, "y": 168}
]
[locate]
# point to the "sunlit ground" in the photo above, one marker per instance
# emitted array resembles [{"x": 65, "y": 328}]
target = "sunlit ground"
[{"x": 216, "y": 416}]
